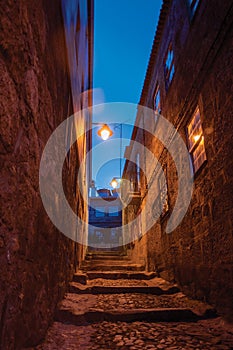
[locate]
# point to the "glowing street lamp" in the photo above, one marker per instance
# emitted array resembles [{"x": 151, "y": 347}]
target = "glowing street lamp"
[
  {"x": 116, "y": 180},
  {"x": 114, "y": 183},
  {"x": 105, "y": 132}
]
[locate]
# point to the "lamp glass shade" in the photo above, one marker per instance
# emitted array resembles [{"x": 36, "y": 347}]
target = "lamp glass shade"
[
  {"x": 105, "y": 132},
  {"x": 114, "y": 183}
]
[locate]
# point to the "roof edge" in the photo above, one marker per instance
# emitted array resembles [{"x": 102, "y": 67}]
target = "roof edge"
[{"x": 155, "y": 46}]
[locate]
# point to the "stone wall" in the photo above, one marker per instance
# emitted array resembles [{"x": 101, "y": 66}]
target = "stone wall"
[
  {"x": 198, "y": 254},
  {"x": 36, "y": 261}
]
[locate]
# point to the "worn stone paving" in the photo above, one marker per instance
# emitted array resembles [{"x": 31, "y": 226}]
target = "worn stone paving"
[
  {"x": 117, "y": 283},
  {"x": 145, "y": 301},
  {"x": 95, "y": 333},
  {"x": 141, "y": 335},
  {"x": 132, "y": 301},
  {"x": 202, "y": 335}
]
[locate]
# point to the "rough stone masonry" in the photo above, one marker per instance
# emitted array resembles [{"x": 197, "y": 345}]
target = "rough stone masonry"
[{"x": 36, "y": 261}]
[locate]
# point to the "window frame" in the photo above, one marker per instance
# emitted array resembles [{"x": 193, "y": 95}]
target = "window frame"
[
  {"x": 163, "y": 206},
  {"x": 193, "y": 5},
  {"x": 138, "y": 172},
  {"x": 198, "y": 144},
  {"x": 157, "y": 106},
  {"x": 169, "y": 66}
]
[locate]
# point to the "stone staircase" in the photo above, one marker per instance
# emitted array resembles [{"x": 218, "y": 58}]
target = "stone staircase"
[
  {"x": 109, "y": 287},
  {"x": 109, "y": 261},
  {"x": 114, "y": 304}
]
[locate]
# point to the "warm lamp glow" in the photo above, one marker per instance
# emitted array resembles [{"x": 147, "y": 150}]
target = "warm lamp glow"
[
  {"x": 105, "y": 132},
  {"x": 196, "y": 137},
  {"x": 114, "y": 183}
]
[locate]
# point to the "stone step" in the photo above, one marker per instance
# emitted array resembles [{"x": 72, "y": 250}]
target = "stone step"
[
  {"x": 112, "y": 267},
  {"x": 115, "y": 275},
  {"x": 70, "y": 315},
  {"x": 106, "y": 253},
  {"x": 80, "y": 309},
  {"x": 95, "y": 289},
  {"x": 108, "y": 262},
  {"x": 82, "y": 278},
  {"x": 104, "y": 257}
]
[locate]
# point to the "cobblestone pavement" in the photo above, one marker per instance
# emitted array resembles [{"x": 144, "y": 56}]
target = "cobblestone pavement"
[
  {"x": 145, "y": 301},
  {"x": 116, "y": 283},
  {"x": 81, "y": 318},
  {"x": 206, "y": 334},
  {"x": 131, "y": 301},
  {"x": 153, "y": 282},
  {"x": 202, "y": 335}
]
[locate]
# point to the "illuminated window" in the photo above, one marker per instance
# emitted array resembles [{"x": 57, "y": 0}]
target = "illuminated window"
[
  {"x": 135, "y": 179},
  {"x": 138, "y": 172},
  {"x": 164, "y": 205},
  {"x": 169, "y": 68},
  {"x": 196, "y": 141},
  {"x": 157, "y": 102},
  {"x": 193, "y": 5}
]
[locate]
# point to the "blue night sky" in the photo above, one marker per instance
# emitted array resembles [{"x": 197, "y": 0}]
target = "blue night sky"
[{"x": 123, "y": 37}]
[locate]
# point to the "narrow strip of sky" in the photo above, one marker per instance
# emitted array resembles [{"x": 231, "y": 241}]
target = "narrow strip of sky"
[{"x": 123, "y": 37}]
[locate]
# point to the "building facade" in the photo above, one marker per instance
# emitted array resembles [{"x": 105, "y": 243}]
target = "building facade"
[
  {"x": 188, "y": 81},
  {"x": 105, "y": 221},
  {"x": 38, "y": 92},
  {"x": 78, "y": 19}
]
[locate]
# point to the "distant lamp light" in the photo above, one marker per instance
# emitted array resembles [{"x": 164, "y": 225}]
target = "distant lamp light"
[
  {"x": 105, "y": 132},
  {"x": 114, "y": 183}
]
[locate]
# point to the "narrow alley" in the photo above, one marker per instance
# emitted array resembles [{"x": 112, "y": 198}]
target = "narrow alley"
[
  {"x": 116, "y": 175},
  {"x": 114, "y": 304}
]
